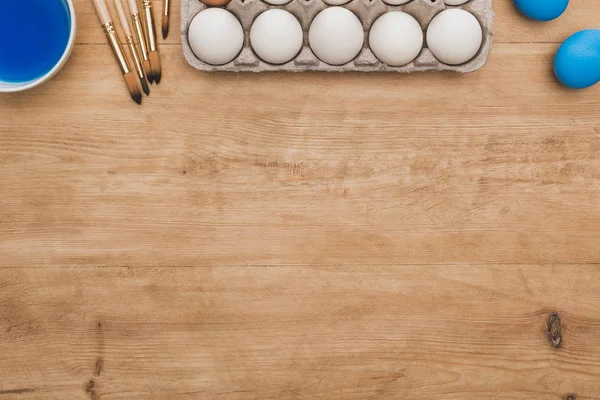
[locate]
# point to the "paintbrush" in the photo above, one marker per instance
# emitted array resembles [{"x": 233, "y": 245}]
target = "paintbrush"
[
  {"x": 153, "y": 54},
  {"x": 166, "y": 19},
  {"x": 120, "y": 7},
  {"x": 138, "y": 26},
  {"x": 115, "y": 44}
]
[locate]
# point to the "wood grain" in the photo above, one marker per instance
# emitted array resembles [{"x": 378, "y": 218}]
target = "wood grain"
[
  {"x": 232, "y": 169},
  {"x": 303, "y": 236},
  {"x": 370, "y": 332}
]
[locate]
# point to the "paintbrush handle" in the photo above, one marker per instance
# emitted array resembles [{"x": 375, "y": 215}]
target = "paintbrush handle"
[
  {"x": 102, "y": 11},
  {"x": 137, "y": 62},
  {"x": 149, "y": 24},
  {"x": 133, "y": 6},
  {"x": 138, "y": 25},
  {"x": 117, "y": 48},
  {"x": 166, "y": 7},
  {"x": 123, "y": 17},
  {"x": 111, "y": 34}
]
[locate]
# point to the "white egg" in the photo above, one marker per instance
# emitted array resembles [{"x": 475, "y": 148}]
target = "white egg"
[
  {"x": 336, "y": 2},
  {"x": 396, "y": 38},
  {"x": 454, "y": 36},
  {"x": 276, "y": 36},
  {"x": 216, "y": 36},
  {"x": 277, "y": 2},
  {"x": 455, "y": 2},
  {"x": 396, "y": 2},
  {"x": 336, "y": 36}
]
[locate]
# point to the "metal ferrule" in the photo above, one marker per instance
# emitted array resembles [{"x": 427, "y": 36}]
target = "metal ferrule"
[
  {"x": 139, "y": 30},
  {"x": 150, "y": 28},
  {"x": 117, "y": 49},
  {"x": 137, "y": 63},
  {"x": 166, "y": 6}
]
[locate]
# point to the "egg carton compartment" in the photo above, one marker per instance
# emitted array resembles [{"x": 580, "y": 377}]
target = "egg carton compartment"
[{"x": 367, "y": 11}]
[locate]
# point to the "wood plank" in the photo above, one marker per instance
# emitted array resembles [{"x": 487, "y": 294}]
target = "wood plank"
[
  {"x": 448, "y": 332},
  {"x": 218, "y": 169},
  {"x": 510, "y": 26},
  {"x": 363, "y": 236}
]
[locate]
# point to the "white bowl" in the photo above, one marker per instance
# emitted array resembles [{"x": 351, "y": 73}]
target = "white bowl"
[{"x": 6, "y": 87}]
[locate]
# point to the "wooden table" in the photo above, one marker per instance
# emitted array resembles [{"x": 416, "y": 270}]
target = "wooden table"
[{"x": 307, "y": 236}]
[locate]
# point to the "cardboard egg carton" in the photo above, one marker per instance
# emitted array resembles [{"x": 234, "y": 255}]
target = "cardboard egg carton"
[{"x": 366, "y": 10}]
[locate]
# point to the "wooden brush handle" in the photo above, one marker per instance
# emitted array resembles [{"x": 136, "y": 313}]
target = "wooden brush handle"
[
  {"x": 133, "y": 7},
  {"x": 102, "y": 11},
  {"x": 111, "y": 34},
  {"x": 123, "y": 17},
  {"x": 149, "y": 24}
]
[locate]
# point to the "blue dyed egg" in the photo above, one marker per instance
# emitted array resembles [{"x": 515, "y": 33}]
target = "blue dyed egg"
[
  {"x": 542, "y": 10},
  {"x": 577, "y": 62}
]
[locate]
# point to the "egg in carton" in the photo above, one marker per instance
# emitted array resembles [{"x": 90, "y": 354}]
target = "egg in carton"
[{"x": 367, "y": 11}]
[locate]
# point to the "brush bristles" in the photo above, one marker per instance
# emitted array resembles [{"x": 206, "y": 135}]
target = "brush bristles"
[
  {"x": 132, "y": 86},
  {"x": 166, "y": 22},
  {"x": 148, "y": 71},
  {"x": 145, "y": 86},
  {"x": 155, "y": 66}
]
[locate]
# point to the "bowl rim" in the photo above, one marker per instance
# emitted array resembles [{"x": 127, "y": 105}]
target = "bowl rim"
[{"x": 9, "y": 87}]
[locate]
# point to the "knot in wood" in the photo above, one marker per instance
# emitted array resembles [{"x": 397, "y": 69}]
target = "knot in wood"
[{"x": 555, "y": 332}]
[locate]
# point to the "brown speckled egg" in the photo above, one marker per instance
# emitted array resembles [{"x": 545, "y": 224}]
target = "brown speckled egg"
[{"x": 215, "y": 3}]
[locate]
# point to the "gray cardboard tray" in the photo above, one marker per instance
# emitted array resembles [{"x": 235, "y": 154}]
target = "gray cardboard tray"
[{"x": 366, "y": 10}]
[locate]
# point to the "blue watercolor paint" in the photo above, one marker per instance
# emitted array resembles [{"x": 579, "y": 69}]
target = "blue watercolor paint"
[{"x": 34, "y": 35}]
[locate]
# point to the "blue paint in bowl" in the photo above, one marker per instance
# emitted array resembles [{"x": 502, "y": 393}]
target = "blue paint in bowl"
[{"x": 34, "y": 36}]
